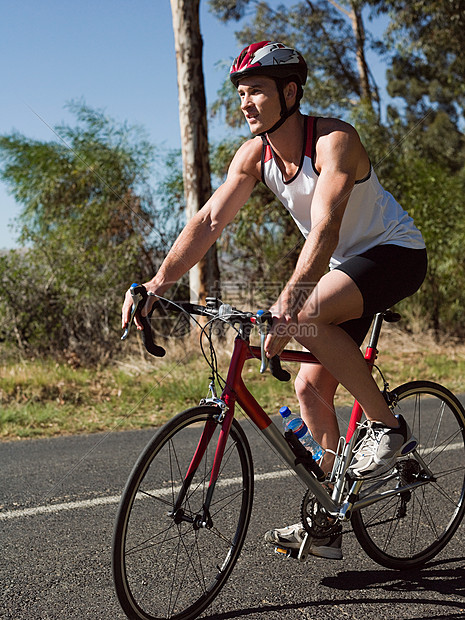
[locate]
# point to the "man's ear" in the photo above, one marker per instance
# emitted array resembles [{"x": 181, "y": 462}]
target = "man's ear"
[{"x": 290, "y": 92}]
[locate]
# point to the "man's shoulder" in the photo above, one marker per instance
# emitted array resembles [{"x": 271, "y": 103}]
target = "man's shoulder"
[
  {"x": 248, "y": 156},
  {"x": 338, "y": 141},
  {"x": 327, "y": 126},
  {"x": 251, "y": 148}
]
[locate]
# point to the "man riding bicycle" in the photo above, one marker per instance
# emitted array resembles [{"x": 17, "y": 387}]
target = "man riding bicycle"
[{"x": 320, "y": 171}]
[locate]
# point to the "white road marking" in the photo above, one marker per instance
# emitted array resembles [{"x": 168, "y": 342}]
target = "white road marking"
[{"x": 114, "y": 499}]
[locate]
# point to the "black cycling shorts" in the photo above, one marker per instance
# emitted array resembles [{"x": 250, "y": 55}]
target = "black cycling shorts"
[{"x": 385, "y": 275}]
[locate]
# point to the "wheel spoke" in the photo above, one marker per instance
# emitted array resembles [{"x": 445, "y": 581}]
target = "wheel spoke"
[
  {"x": 411, "y": 528},
  {"x": 164, "y": 562}
]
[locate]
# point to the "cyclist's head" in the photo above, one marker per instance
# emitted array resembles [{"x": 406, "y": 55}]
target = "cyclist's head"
[{"x": 277, "y": 61}]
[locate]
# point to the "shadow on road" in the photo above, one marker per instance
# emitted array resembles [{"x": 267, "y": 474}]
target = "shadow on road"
[{"x": 435, "y": 577}]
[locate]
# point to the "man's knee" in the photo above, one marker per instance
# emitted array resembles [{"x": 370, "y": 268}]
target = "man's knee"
[
  {"x": 312, "y": 386},
  {"x": 307, "y": 389}
]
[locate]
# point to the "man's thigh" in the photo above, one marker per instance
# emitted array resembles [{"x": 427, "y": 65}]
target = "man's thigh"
[{"x": 335, "y": 299}]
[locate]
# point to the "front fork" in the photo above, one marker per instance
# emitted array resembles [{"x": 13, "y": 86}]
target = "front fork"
[{"x": 223, "y": 416}]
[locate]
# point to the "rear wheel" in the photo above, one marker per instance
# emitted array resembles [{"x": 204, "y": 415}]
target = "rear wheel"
[
  {"x": 169, "y": 565},
  {"x": 408, "y": 529}
]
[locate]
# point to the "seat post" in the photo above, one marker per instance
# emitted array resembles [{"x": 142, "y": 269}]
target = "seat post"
[{"x": 375, "y": 330}]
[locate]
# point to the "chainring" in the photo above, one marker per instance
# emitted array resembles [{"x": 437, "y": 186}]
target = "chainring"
[{"x": 315, "y": 518}]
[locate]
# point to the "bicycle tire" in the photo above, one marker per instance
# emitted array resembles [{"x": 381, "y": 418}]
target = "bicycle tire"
[
  {"x": 434, "y": 511},
  {"x": 163, "y": 569}
]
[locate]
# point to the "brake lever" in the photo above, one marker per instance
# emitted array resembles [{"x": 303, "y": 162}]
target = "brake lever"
[
  {"x": 263, "y": 327},
  {"x": 139, "y": 296}
]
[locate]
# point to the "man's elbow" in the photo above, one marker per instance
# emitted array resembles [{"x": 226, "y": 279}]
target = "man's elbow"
[{"x": 210, "y": 224}]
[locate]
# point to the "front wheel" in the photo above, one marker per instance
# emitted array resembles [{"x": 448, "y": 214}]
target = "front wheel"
[
  {"x": 408, "y": 529},
  {"x": 170, "y": 564}
]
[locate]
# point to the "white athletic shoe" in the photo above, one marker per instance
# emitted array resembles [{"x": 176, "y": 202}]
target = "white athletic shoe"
[
  {"x": 292, "y": 537},
  {"x": 379, "y": 448}
]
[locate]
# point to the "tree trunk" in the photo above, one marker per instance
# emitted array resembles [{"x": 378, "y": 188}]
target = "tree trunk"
[
  {"x": 204, "y": 277},
  {"x": 359, "y": 33},
  {"x": 355, "y": 15}
]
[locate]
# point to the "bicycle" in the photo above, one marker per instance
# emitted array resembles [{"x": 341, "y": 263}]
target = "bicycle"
[{"x": 185, "y": 510}]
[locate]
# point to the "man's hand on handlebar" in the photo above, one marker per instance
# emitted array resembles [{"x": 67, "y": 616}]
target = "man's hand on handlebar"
[
  {"x": 280, "y": 334},
  {"x": 127, "y": 307},
  {"x": 137, "y": 305}
]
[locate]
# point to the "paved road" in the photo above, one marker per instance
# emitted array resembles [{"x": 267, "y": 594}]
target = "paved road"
[{"x": 57, "y": 508}]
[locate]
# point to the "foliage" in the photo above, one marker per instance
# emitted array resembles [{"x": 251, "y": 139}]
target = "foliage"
[
  {"x": 89, "y": 225},
  {"x": 421, "y": 168},
  {"x": 324, "y": 32},
  {"x": 434, "y": 198},
  {"x": 170, "y": 203},
  {"x": 428, "y": 38}
]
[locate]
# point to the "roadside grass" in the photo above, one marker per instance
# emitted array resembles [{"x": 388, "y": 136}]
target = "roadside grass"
[{"x": 43, "y": 398}]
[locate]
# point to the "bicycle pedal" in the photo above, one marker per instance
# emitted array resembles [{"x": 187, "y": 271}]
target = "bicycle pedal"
[
  {"x": 286, "y": 553},
  {"x": 304, "y": 547}
]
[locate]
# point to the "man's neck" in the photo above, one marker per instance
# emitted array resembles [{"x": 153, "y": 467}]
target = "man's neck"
[{"x": 288, "y": 140}]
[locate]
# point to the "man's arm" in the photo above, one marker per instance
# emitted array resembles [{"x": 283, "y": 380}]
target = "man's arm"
[
  {"x": 204, "y": 228},
  {"x": 339, "y": 152}
]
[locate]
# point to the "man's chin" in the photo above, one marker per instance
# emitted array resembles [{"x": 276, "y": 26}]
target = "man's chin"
[{"x": 256, "y": 129}]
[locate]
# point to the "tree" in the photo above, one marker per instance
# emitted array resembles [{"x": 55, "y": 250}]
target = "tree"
[
  {"x": 427, "y": 38},
  {"x": 89, "y": 225},
  {"x": 204, "y": 277},
  {"x": 330, "y": 34}
]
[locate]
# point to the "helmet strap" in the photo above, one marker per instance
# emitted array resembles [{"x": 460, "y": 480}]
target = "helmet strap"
[
  {"x": 282, "y": 120},
  {"x": 285, "y": 113}
]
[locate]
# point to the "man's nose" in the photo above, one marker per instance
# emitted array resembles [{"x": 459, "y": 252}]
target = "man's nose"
[{"x": 245, "y": 102}]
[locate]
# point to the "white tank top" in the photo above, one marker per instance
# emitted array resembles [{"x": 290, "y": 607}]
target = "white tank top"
[{"x": 372, "y": 216}]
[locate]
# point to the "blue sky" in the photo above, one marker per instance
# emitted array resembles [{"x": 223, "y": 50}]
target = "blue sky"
[{"x": 115, "y": 54}]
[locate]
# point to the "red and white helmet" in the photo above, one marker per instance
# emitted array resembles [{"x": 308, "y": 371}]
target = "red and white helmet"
[
  {"x": 271, "y": 59},
  {"x": 276, "y": 61}
]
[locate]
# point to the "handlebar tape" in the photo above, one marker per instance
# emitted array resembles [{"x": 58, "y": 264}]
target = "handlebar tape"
[
  {"x": 277, "y": 370},
  {"x": 147, "y": 336}
]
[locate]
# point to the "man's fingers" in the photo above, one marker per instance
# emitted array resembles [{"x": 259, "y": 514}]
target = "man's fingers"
[
  {"x": 148, "y": 305},
  {"x": 126, "y": 313},
  {"x": 275, "y": 345}
]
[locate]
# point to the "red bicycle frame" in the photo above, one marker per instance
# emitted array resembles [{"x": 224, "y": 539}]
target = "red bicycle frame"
[{"x": 236, "y": 391}]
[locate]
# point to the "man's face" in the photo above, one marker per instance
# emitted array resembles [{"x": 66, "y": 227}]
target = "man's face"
[{"x": 259, "y": 102}]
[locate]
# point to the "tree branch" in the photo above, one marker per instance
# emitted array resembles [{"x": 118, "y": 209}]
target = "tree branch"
[{"x": 340, "y": 8}]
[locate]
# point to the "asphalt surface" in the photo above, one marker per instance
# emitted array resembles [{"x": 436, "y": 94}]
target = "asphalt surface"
[{"x": 58, "y": 501}]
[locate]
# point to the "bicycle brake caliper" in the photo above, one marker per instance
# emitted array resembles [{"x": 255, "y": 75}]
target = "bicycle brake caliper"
[{"x": 213, "y": 400}]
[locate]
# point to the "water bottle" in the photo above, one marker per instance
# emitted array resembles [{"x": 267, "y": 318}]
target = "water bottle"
[
  {"x": 287, "y": 416},
  {"x": 295, "y": 424},
  {"x": 300, "y": 430}
]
